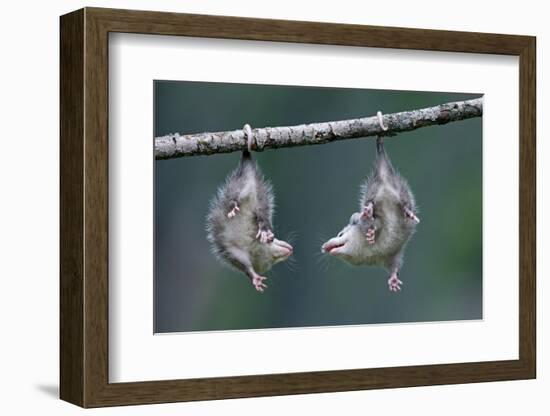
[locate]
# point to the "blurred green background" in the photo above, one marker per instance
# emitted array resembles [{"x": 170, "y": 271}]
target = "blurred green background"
[{"x": 316, "y": 192}]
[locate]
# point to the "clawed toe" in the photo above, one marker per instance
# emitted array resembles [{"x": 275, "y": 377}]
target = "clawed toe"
[
  {"x": 371, "y": 235},
  {"x": 265, "y": 236},
  {"x": 368, "y": 210},
  {"x": 411, "y": 215},
  {"x": 258, "y": 282},
  {"x": 394, "y": 283},
  {"x": 233, "y": 212}
]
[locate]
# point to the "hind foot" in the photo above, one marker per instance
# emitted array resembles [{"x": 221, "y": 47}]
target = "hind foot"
[
  {"x": 394, "y": 282},
  {"x": 258, "y": 282}
]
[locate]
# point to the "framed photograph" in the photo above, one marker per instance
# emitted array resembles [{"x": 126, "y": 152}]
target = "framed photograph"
[{"x": 255, "y": 207}]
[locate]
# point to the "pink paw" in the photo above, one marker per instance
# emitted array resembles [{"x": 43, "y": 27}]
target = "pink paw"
[
  {"x": 258, "y": 282},
  {"x": 371, "y": 235},
  {"x": 368, "y": 210},
  {"x": 265, "y": 236},
  {"x": 394, "y": 283},
  {"x": 411, "y": 215},
  {"x": 233, "y": 212}
]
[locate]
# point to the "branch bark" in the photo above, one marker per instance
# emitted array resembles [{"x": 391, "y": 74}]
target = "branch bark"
[{"x": 176, "y": 145}]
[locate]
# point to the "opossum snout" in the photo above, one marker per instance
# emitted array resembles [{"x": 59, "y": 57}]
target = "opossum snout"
[
  {"x": 332, "y": 245},
  {"x": 281, "y": 249}
]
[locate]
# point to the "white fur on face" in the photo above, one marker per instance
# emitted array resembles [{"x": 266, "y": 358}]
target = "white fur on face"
[
  {"x": 264, "y": 256},
  {"x": 280, "y": 250},
  {"x": 342, "y": 244},
  {"x": 350, "y": 245}
]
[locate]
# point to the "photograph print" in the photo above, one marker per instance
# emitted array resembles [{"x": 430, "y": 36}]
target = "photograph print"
[{"x": 301, "y": 206}]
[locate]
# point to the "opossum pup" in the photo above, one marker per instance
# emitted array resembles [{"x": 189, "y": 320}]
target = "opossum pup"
[
  {"x": 239, "y": 222},
  {"x": 377, "y": 235}
]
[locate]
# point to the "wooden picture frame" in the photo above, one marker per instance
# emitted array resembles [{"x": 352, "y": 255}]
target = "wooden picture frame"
[{"x": 84, "y": 207}]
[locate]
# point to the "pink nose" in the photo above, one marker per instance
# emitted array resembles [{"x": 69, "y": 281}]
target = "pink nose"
[{"x": 287, "y": 246}]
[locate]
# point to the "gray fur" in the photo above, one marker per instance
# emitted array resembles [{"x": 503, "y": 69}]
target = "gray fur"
[
  {"x": 391, "y": 198},
  {"x": 245, "y": 239}
]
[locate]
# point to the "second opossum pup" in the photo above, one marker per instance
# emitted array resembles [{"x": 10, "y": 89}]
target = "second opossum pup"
[
  {"x": 377, "y": 235},
  {"x": 239, "y": 221}
]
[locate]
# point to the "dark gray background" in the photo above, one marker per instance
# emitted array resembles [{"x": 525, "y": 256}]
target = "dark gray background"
[{"x": 316, "y": 192}]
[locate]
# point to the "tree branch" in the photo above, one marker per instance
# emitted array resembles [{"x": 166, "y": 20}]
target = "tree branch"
[{"x": 176, "y": 145}]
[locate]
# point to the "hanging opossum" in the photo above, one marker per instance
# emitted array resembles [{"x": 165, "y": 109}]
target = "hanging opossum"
[
  {"x": 239, "y": 222},
  {"x": 378, "y": 234}
]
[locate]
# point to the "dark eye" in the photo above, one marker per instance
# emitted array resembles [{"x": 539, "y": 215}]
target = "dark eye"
[{"x": 340, "y": 234}]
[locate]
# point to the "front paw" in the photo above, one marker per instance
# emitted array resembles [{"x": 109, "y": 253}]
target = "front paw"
[
  {"x": 411, "y": 215},
  {"x": 368, "y": 210},
  {"x": 265, "y": 235},
  {"x": 370, "y": 235},
  {"x": 234, "y": 211}
]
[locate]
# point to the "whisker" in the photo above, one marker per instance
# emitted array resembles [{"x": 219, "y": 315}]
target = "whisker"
[
  {"x": 323, "y": 260},
  {"x": 292, "y": 264},
  {"x": 324, "y": 263},
  {"x": 291, "y": 237}
]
